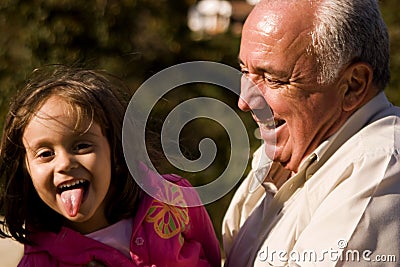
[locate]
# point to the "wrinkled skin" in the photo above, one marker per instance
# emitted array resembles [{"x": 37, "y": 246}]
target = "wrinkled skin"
[{"x": 279, "y": 71}]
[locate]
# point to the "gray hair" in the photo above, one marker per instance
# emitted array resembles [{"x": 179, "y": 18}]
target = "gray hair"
[{"x": 347, "y": 31}]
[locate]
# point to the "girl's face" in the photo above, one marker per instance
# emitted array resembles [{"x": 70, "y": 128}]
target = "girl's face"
[{"x": 70, "y": 170}]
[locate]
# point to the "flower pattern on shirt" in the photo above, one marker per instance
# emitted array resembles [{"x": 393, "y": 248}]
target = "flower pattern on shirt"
[{"x": 169, "y": 220}]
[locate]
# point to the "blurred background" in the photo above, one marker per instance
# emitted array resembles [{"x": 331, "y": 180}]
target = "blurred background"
[{"x": 134, "y": 39}]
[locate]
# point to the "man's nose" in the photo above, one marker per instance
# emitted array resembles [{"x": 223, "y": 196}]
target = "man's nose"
[{"x": 251, "y": 97}]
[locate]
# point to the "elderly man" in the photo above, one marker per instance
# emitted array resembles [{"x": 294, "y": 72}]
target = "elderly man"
[{"x": 331, "y": 194}]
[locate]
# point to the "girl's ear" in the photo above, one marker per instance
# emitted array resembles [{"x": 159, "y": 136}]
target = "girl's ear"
[{"x": 356, "y": 84}]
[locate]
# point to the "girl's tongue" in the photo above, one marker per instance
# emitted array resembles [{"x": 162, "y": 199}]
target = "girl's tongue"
[{"x": 72, "y": 200}]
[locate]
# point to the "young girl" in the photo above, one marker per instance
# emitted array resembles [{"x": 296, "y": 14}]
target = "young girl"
[{"x": 68, "y": 194}]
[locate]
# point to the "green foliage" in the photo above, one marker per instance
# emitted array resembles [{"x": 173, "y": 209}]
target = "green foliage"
[
  {"x": 132, "y": 39},
  {"x": 390, "y": 10}
]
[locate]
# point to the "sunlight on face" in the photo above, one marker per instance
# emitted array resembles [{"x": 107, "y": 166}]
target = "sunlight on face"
[
  {"x": 274, "y": 57},
  {"x": 70, "y": 170}
]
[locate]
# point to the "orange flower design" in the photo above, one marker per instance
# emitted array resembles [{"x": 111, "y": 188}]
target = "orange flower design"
[{"x": 169, "y": 220}]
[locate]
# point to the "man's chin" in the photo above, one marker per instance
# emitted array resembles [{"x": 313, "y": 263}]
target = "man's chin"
[{"x": 274, "y": 154}]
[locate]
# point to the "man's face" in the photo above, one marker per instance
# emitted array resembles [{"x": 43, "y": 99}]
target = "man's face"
[{"x": 278, "y": 70}]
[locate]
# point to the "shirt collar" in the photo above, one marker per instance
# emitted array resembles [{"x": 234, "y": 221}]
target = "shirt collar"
[{"x": 363, "y": 116}]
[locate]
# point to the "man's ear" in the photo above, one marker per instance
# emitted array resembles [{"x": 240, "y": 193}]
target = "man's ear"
[{"x": 356, "y": 83}]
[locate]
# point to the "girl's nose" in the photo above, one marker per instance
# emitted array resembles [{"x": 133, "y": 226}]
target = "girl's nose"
[{"x": 65, "y": 161}]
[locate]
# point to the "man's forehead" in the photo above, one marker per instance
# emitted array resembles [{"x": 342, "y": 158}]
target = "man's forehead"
[{"x": 272, "y": 16}]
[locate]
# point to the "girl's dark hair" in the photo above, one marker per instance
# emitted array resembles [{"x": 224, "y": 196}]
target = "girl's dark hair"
[{"x": 91, "y": 94}]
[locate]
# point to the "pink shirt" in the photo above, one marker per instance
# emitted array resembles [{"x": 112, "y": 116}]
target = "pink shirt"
[
  {"x": 162, "y": 236},
  {"x": 117, "y": 235}
]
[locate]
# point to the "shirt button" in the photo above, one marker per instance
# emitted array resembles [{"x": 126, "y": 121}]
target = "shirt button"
[{"x": 139, "y": 241}]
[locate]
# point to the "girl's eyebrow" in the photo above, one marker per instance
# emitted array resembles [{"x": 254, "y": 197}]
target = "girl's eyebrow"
[
  {"x": 88, "y": 132},
  {"x": 91, "y": 130},
  {"x": 42, "y": 141},
  {"x": 31, "y": 148}
]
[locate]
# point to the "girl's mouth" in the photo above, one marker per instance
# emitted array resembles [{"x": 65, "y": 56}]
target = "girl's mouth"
[
  {"x": 72, "y": 194},
  {"x": 70, "y": 185}
]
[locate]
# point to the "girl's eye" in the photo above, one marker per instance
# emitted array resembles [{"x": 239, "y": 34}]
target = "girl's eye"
[
  {"x": 83, "y": 147},
  {"x": 45, "y": 154}
]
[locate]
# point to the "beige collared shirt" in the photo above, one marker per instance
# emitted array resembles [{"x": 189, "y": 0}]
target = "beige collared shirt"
[{"x": 341, "y": 209}]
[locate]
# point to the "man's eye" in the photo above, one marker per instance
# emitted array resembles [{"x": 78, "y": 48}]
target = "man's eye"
[
  {"x": 275, "y": 82},
  {"x": 244, "y": 71}
]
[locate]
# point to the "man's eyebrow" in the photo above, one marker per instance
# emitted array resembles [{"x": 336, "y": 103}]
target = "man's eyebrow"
[
  {"x": 275, "y": 72},
  {"x": 268, "y": 70}
]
